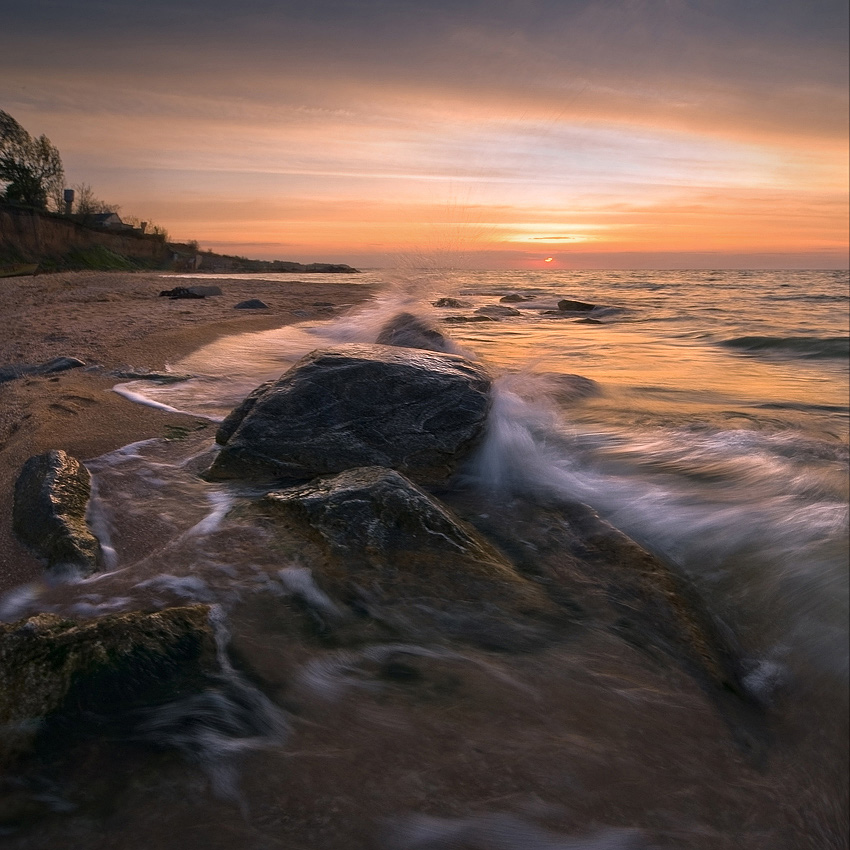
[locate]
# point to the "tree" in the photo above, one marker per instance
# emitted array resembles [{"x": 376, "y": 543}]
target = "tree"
[
  {"x": 87, "y": 204},
  {"x": 30, "y": 168}
]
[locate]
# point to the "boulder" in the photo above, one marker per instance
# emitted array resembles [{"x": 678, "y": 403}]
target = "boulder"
[
  {"x": 515, "y": 298},
  {"x": 409, "y": 331},
  {"x": 49, "y": 512},
  {"x": 418, "y": 411},
  {"x": 251, "y": 304},
  {"x": 51, "y": 667},
  {"x": 495, "y": 311},
  {"x": 568, "y": 304},
  {"x": 402, "y": 557}
]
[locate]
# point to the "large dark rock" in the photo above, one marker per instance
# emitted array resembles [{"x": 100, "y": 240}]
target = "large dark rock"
[
  {"x": 49, "y": 512},
  {"x": 52, "y": 667},
  {"x": 405, "y": 559},
  {"x": 359, "y": 405}
]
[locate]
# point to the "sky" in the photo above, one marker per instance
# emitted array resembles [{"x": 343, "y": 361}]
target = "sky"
[{"x": 464, "y": 133}]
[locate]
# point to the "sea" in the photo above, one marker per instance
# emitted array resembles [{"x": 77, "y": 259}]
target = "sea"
[{"x": 704, "y": 413}]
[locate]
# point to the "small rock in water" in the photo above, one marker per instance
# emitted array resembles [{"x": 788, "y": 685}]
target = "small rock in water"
[
  {"x": 494, "y": 311},
  {"x": 49, "y": 512},
  {"x": 408, "y": 331},
  {"x": 459, "y": 320},
  {"x": 450, "y": 302},
  {"x": 515, "y": 298},
  {"x": 418, "y": 411},
  {"x": 251, "y": 304},
  {"x": 568, "y": 304}
]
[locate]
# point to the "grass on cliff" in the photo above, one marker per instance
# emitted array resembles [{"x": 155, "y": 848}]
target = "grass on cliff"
[{"x": 96, "y": 258}]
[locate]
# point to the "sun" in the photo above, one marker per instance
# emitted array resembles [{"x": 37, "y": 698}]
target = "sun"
[{"x": 548, "y": 259}]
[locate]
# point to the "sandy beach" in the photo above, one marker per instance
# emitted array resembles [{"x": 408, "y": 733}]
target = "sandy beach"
[{"x": 115, "y": 321}]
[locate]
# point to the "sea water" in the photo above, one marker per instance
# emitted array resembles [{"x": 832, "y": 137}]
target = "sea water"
[{"x": 704, "y": 413}]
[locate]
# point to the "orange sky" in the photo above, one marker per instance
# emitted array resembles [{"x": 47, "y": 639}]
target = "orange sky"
[{"x": 602, "y": 134}]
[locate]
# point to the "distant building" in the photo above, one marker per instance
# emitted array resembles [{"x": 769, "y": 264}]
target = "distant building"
[{"x": 106, "y": 221}]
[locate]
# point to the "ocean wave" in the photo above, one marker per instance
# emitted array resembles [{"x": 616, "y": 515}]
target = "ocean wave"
[{"x": 796, "y": 346}]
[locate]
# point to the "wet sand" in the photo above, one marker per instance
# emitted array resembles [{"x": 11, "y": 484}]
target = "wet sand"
[{"x": 115, "y": 321}]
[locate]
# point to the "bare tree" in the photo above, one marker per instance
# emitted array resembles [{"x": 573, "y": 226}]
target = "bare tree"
[
  {"x": 31, "y": 170},
  {"x": 88, "y": 204}
]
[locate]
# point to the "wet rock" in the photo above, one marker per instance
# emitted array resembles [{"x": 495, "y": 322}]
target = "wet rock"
[
  {"x": 515, "y": 298},
  {"x": 402, "y": 557},
  {"x": 234, "y": 419},
  {"x": 582, "y": 559},
  {"x": 450, "y": 302},
  {"x": 568, "y": 304},
  {"x": 58, "y": 364},
  {"x": 408, "y": 331},
  {"x": 562, "y": 388},
  {"x": 418, "y": 411},
  {"x": 49, "y": 512},
  {"x": 459, "y": 320},
  {"x": 59, "y": 675},
  {"x": 494, "y": 311},
  {"x": 251, "y": 304}
]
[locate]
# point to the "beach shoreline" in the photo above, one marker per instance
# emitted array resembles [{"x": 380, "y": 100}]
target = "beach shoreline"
[{"x": 116, "y": 321}]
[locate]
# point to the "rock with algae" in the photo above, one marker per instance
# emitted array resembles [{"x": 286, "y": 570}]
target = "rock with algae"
[
  {"x": 49, "y": 514},
  {"x": 401, "y": 556},
  {"x": 51, "y": 666}
]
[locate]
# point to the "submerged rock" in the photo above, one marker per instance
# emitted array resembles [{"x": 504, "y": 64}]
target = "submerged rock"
[
  {"x": 459, "y": 320},
  {"x": 418, "y": 411},
  {"x": 515, "y": 298},
  {"x": 251, "y": 304},
  {"x": 86, "y": 670},
  {"x": 49, "y": 512},
  {"x": 568, "y": 304},
  {"x": 408, "y": 331},
  {"x": 496, "y": 311},
  {"x": 451, "y": 302},
  {"x": 404, "y": 558}
]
